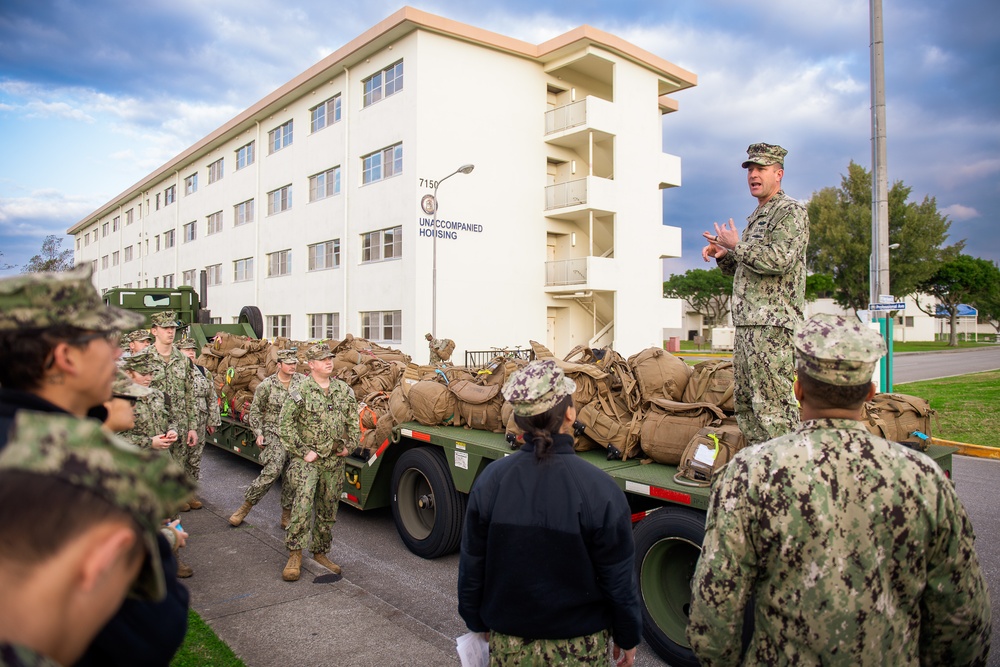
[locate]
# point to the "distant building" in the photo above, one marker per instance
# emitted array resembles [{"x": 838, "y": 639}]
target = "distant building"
[{"x": 311, "y": 203}]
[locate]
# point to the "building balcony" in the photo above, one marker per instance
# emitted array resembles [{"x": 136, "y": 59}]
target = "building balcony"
[
  {"x": 581, "y": 274},
  {"x": 588, "y": 193},
  {"x": 568, "y": 125}
]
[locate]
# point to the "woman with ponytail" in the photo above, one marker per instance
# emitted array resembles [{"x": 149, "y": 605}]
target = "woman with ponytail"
[{"x": 546, "y": 569}]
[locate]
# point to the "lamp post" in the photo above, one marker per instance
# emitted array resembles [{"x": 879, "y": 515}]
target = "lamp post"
[{"x": 464, "y": 169}]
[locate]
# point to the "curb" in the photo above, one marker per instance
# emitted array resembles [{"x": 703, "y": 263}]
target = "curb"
[{"x": 965, "y": 449}]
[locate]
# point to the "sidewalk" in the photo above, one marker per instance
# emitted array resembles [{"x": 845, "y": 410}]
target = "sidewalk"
[{"x": 322, "y": 619}]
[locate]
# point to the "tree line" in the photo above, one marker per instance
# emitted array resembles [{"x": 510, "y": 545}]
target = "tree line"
[{"x": 838, "y": 258}]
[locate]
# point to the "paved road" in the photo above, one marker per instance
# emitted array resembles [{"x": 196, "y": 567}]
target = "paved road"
[
  {"x": 916, "y": 366},
  {"x": 421, "y": 593}
]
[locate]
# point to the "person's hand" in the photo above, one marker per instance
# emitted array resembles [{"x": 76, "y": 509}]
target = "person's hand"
[
  {"x": 192, "y": 438},
  {"x": 182, "y": 534},
  {"x": 727, "y": 237},
  {"x": 623, "y": 658},
  {"x": 342, "y": 451},
  {"x": 310, "y": 456},
  {"x": 160, "y": 442},
  {"x": 260, "y": 441},
  {"x": 170, "y": 436},
  {"x": 712, "y": 250}
]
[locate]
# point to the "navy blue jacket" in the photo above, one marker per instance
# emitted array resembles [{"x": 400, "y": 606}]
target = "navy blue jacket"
[{"x": 547, "y": 550}]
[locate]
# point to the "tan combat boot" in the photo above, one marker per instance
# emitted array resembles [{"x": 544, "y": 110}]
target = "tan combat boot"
[
  {"x": 186, "y": 507},
  {"x": 327, "y": 563},
  {"x": 294, "y": 566},
  {"x": 195, "y": 503},
  {"x": 183, "y": 569},
  {"x": 240, "y": 514},
  {"x": 286, "y": 517}
]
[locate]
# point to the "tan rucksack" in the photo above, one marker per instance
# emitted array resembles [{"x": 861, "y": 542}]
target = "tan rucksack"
[
  {"x": 713, "y": 382},
  {"x": 668, "y": 427},
  {"x": 478, "y": 405},
  {"x": 433, "y": 404},
  {"x": 615, "y": 429},
  {"x": 708, "y": 451},
  {"x": 659, "y": 374},
  {"x": 898, "y": 417}
]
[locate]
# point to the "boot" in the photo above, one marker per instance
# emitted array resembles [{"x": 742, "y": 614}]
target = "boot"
[
  {"x": 286, "y": 517},
  {"x": 183, "y": 569},
  {"x": 294, "y": 566},
  {"x": 186, "y": 507},
  {"x": 327, "y": 563},
  {"x": 240, "y": 514},
  {"x": 195, "y": 503}
]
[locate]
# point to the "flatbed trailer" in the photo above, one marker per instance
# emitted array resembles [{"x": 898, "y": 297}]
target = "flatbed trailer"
[{"x": 424, "y": 474}]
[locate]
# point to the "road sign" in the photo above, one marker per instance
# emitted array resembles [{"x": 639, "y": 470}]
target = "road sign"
[{"x": 901, "y": 305}]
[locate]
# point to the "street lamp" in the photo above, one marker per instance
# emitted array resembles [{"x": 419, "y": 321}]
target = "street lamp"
[{"x": 464, "y": 169}]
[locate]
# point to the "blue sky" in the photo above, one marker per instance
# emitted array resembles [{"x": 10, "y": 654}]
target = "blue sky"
[{"x": 94, "y": 95}]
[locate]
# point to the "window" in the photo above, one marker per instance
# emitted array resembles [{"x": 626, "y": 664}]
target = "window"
[
  {"x": 190, "y": 233},
  {"x": 280, "y": 137},
  {"x": 382, "y": 326},
  {"x": 243, "y": 269},
  {"x": 383, "y": 244},
  {"x": 382, "y": 164},
  {"x": 279, "y": 200},
  {"x": 215, "y": 223},
  {"x": 115, "y": 257},
  {"x": 387, "y": 82},
  {"x": 190, "y": 184},
  {"x": 325, "y": 184},
  {"x": 187, "y": 278},
  {"x": 243, "y": 213},
  {"x": 169, "y": 237},
  {"x": 324, "y": 325},
  {"x": 244, "y": 156},
  {"x": 116, "y": 224},
  {"x": 129, "y": 217},
  {"x": 157, "y": 239},
  {"x": 156, "y": 281},
  {"x": 279, "y": 263},
  {"x": 215, "y": 171},
  {"x": 86, "y": 239},
  {"x": 325, "y": 255},
  {"x": 157, "y": 201},
  {"x": 127, "y": 285},
  {"x": 104, "y": 262},
  {"x": 277, "y": 325},
  {"x": 104, "y": 228},
  {"x": 128, "y": 253},
  {"x": 325, "y": 114},
  {"x": 79, "y": 242},
  {"x": 214, "y": 274},
  {"x": 93, "y": 266},
  {"x": 168, "y": 280},
  {"x": 170, "y": 195}
]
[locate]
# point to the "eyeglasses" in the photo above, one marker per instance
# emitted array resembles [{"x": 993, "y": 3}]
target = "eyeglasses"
[
  {"x": 113, "y": 338},
  {"x": 131, "y": 399}
]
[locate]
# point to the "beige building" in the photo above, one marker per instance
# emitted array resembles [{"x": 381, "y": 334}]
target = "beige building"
[{"x": 311, "y": 204}]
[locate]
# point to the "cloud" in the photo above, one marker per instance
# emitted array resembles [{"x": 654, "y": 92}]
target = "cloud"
[{"x": 959, "y": 212}]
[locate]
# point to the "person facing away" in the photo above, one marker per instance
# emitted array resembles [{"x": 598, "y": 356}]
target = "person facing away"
[
  {"x": 79, "y": 514},
  {"x": 769, "y": 280},
  {"x": 855, "y": 550},
  {"x": 547, "y": 559}
]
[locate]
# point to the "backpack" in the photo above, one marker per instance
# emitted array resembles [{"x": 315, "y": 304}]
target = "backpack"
[
  {"x": 898, "y": 417},
  {"x": 478, "y": 405},
  {"x": 713, "y": 382},
  {"x": 616, "y": 430},
  {"x": 668, "y": 427},
  {"x": 709, "y": 451},
  {"x": 659, "y": 374},
  {"x": 623, "y": 380},
  {"x": 432, "y": 403}
]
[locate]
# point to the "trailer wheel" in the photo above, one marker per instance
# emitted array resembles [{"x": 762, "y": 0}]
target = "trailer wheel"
[
  {"x": 667, "y": 547},
  {"x": 426, "y": 507},
  {"x": 251, "y": 315}
]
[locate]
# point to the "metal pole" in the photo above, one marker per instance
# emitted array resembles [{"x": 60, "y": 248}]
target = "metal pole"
[
  {"x": 879, "y": 280},
  {"x": 464, "y": 169}
]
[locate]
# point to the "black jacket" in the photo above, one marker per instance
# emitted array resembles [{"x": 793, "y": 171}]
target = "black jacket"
[
  {"x": 547, "y": 550},
  {"x": 141, "y": 632}
]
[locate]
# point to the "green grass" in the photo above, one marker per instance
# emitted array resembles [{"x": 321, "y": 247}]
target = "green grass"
[
  {"x": 203, "y": 647},
  {"x": 966, "y": 406},
  {"x": 935, "y": 346}
]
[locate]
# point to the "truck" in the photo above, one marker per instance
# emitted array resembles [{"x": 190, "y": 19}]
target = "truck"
[{"x": 425, "y": 473}]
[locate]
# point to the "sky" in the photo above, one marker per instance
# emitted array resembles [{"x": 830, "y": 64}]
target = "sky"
[{"x": 95, "y": 95}]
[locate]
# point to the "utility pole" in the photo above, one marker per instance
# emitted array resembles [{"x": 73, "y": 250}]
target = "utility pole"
[{"x": 879, "y": 280}]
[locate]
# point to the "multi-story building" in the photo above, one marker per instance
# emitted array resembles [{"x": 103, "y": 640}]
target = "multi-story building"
[{"x": 311, "y": 204}]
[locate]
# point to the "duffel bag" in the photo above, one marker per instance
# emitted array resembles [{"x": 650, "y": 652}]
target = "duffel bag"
[
  {"x": 668, "y": 427},
  {"x": 659, "y": 374},
  {"x": 432, "y": 403},
  {"x": 713, "y": 382},
  {"x": 478, "y": 405},
  {"x": 898, "y": 417}
]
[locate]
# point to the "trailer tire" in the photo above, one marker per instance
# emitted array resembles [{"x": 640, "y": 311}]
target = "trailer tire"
[
  {"x": 426, "y": 507},
  {"x": 251, "y": 315},
  {"x": 667, "y": 547}
]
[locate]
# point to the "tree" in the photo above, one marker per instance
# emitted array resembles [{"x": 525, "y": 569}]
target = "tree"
[
  {"x": 840, "y": 233},
  {"x": 51, "y": 258},
  {"x": 708, "y": 292},
  {"x": 962, "y": 280},
  {"x": 989, "y": 304},
  {"x": 819, "y": 286},
  {"x": 4, "y": 265}
]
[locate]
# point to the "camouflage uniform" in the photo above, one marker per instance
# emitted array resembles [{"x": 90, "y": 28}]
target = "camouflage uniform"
[
  {"x": 511, "y": 651},
  {"x": 152, "y": 411},
  {"x": 324, "y": 421},
  {"x": 769, "y": 278},
  {"x": 206, "y": 410},
  {"x": 857, "y": 551},
  {"x": 436, "y": 345},
  {"x": 265, "y": 410},
  {"x": 12, "y": 655},
  {"x": 172, "y": 376}
]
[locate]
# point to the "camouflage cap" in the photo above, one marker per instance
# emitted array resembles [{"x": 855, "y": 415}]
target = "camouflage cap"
[
  {"x": 141, "y": 334},
  {"x": 41, "y": 300},
  {"x": 318, "y": 351},
  {"x": 146, "y": 484},
  {"x": 125, "y": 386},
  {"x": 837, "y": 350},
  {"x": 765, "y": 154},
  {"x": 537, "y": 387},
  {"x": 288, "y": 356},
  {"x": 164, "y": 318},
  {"x": 142, "y": 363},
  {"x": 187, "y": 344}
]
